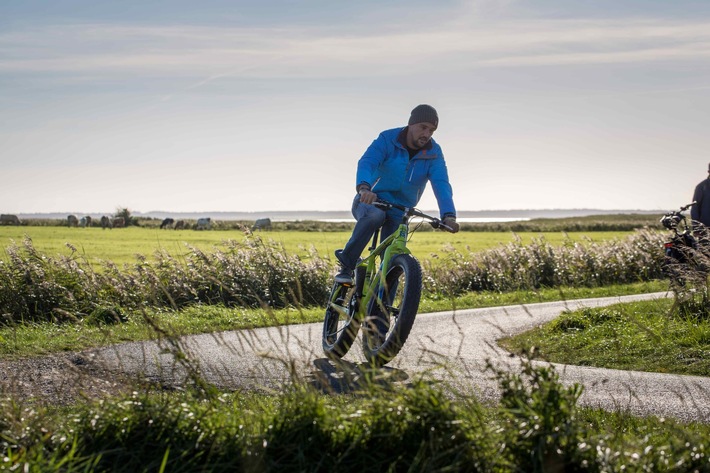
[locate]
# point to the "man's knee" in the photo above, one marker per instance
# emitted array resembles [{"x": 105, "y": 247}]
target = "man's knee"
[{"x": 372, "y": 216}]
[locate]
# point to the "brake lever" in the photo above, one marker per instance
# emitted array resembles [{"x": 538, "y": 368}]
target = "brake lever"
[{"x": 438, "y": 224}]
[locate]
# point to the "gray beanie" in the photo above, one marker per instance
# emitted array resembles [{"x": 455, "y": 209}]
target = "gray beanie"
[{"x": 424, "y": 113}]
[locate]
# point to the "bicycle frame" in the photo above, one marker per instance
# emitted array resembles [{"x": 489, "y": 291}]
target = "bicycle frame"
[{"x": 393, "y": 245}]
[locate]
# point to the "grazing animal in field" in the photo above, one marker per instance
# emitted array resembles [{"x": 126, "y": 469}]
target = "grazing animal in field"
[
  {"x": 72, "y": 221},
  {"x": 180, "y": 225},
  {"x": 106, "y": 223},
  {"x": 167, "y": 223},
  {"x": 204, "y": 223},
  {"x": 9, "y": 219},
  {"x": 85, "y": 221},
  {"x": 262, "y": 224},
  {"x": 119, "y": 222}
]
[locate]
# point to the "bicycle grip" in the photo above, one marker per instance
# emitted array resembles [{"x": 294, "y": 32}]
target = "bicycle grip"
[{"x": 439, "y": 225}]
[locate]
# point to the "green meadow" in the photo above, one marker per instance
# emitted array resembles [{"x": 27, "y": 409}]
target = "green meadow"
[{"x": 122, "y": 245}]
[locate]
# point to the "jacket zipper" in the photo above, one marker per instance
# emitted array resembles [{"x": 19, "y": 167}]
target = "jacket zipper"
[{"x": 411, "y": 165}]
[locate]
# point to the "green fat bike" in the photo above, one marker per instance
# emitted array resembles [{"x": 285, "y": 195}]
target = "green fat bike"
[{"x": 383, "y": 299}]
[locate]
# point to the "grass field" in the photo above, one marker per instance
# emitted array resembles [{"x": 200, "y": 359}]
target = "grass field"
[
  {"x": 122, "y": 245},
  {"x": 641, "y": 336},
  {"x": 387, "y": 424}
]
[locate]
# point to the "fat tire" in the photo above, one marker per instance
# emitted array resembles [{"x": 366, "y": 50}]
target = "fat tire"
[
  {"x": 342, "y": 322},
  {"x": 403, "y": 269}
]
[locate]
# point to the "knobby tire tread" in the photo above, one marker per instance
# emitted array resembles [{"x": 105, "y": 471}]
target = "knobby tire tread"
[{"x": 408, "y": 310}]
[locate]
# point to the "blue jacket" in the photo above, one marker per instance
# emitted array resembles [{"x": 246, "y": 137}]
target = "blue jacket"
[
  {"x": 700, "y": 212},
  {"x": 387, "y": 169}
]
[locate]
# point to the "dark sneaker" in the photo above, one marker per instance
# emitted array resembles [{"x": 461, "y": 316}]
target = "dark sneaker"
[{"x": 345, "y": 277}]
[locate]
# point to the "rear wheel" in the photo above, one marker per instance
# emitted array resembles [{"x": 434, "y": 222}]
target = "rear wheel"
[
  {"x": 341, "y": 322},
  {"x": 391, "y": 314}
]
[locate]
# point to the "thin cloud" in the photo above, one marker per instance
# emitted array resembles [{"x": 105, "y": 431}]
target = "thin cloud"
[
  {"x": 208, "y": 54},
  {"x": 692, "y": 52}
]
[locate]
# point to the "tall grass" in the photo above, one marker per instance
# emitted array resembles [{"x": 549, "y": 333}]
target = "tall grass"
[
  {"x": 539, "y": 264},
  {"x": 383, "y": 426},
  {"x": 257, "y": 273},
  {"x": 38, "y": 288},
  {"x": 689, "y": 281}
]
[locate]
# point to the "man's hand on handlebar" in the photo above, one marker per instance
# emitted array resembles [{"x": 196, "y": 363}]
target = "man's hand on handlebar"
[
  {"x": 367, "y": 196},
  {"x": 451, "y": 223}
]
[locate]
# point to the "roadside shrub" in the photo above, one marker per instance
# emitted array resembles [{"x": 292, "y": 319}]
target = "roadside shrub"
[
  {"x": 542, "y": 431},
  {"x": 690, "y": 283},
  {"x": 414, "y": 426},
  {"x": 259, "y": 273},
  {"x": 140, "y": 432},
  {"x": 528, "y": 267},
  {"x": 37, "y": 288},
  {"x": 252, "y": 274}
]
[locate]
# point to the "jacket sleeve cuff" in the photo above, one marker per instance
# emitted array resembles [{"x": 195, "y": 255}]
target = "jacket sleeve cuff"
[{"x": 362, "y": 185}]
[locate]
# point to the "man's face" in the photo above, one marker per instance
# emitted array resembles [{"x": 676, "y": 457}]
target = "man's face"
[{"x": 419, "y": 134}]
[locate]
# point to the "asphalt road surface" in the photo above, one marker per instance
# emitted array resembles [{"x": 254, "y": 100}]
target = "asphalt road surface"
[{"x": 450, "y": 347}]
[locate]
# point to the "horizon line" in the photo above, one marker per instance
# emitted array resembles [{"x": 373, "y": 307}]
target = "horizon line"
[{"x": 138, "y": 212}]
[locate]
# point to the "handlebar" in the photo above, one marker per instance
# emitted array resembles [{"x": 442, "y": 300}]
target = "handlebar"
[
  {"x": 686, "y": 207},
  {"x": 672, "y": 219},
  {"x": 412, "y": 212}
]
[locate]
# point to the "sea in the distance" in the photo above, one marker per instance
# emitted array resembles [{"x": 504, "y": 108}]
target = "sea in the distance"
[
  {"x": 346, "y": 216},
  {"x": 458, "y": 219}
]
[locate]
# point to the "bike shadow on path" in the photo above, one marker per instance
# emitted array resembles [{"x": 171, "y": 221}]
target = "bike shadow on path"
[{"x": 344, "y": 377}]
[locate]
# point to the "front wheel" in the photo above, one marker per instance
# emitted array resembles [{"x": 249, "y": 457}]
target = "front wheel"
[
  {"x": 392, "y": 311},
  {"x": 341, "y": 322}
]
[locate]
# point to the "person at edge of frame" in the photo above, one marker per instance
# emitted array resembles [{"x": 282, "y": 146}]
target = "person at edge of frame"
[
  {"x": 700, "y": 211},
  {"x": 396, "y": 167}
]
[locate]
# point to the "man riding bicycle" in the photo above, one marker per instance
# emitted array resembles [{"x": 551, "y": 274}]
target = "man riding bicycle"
[{"x": 397, "y": 167}]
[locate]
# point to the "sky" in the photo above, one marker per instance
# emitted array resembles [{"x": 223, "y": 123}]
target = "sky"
[{"x": 224, "y": 105}]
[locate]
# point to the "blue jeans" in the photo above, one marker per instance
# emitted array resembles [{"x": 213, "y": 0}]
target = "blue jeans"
[{"x": 369, "y": 218}]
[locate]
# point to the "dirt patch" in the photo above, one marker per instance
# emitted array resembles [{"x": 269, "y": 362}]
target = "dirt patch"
[{"x": 60, "y": 379}]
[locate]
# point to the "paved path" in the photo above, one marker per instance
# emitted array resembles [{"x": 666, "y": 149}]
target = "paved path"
[{"x": 453, "y": 347}]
